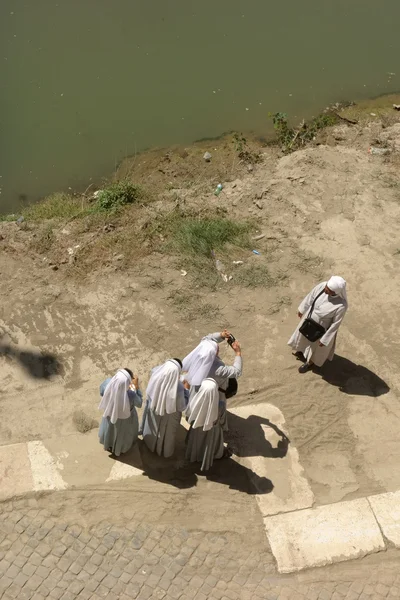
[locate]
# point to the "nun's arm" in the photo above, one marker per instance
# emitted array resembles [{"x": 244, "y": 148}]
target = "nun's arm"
[
  {"x": 332, "y": 330},
  {"x": 225, "y": 371},
  {"x": 214, "y": 337},
  {"x": 135, "y": 398}
]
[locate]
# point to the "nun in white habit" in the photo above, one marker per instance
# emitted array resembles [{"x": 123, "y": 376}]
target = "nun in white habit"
[
  {"x": 119, "y": 426},
  {"x": 329, "y": 310},
  {"x": 205, "y": 441},
  {"x": 165, "y": 403},
  {"x": 204, "y": 361}
]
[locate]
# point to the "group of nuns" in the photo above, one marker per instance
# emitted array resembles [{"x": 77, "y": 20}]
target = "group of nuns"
[{"x": 197, "y": 387}]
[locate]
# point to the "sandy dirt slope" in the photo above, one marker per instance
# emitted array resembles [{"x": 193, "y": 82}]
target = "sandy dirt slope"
[{"x": 327, "y": 209}]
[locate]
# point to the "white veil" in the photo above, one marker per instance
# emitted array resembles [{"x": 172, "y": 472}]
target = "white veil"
[
  {"x": 162, "y": 389},
  {"x": 338, "y": 285},
  {"x": 202, "y": 410},
  {"x": 199, "y": 362},
  {"x": 115, "y": 401}
]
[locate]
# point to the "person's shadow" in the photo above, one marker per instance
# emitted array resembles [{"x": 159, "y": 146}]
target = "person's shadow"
[
  {"x": 37, "y": 364},
  {"x": 177, "y": 472},
  {"x": 353, "y": 379},
  {"x": 246, "y": 437},
  {"x": 164, "y": 470}
]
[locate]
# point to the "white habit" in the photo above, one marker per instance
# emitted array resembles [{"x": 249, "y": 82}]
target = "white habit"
[{"x": 329, "y": 312}]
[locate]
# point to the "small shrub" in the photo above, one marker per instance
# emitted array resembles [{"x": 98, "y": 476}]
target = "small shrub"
[
  {"x": 242, "y": 149},
  {"x": 83, "y": 422},
  {"x": 202, "y": 236},
  {"x": 291, "y": 138},
  {"x": 117, "y": 194}
]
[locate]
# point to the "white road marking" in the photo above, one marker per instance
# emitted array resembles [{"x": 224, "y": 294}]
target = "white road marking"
[
  {"x": 45, "y": 474},
  {"x": 122, "y": 471},
  {"x": 324, "y": 535},
  {"x": 386, "y": 509}
]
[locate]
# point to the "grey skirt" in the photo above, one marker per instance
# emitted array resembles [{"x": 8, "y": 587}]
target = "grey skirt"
[
  {"x": 205, "y": 446},
  {"x": 118, "y": 438},
  {"x": 159, "y": 433}
]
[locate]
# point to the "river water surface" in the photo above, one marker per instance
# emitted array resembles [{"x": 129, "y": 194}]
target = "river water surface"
[{"x": 86, "y": 82}]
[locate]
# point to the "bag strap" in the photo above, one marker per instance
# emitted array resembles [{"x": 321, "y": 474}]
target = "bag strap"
[{"x": 313, "y": 304}]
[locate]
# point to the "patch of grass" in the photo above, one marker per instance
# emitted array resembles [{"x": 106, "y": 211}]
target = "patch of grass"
[
  {"x": 190, "y": 306},
  {"x": 44, "y": 240},
  {"x": 66, "y": 206},
  {"x": 293, "y": 138},
  {"x": 83, "y": 422},
  {"x": 8, "y": 218},
  {"x": 203, "y": 235},
  {"x": 252, "y": 276},
  {"x": 117, "y": 194},
  {"x": 276, "y": 307},
  {"x": 56, "y": 206},
  {"x": 305, "y": 262}
]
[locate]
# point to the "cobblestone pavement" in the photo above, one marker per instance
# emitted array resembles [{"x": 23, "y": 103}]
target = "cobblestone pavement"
[{"x": 43, "y": 556}]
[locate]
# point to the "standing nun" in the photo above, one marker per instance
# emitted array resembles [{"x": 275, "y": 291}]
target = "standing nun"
[
  {"x": 205, "y": 440},
  {"x": 120, "y": 424},
  {"x": 204, "y": 361},
  {"x": 164, "y": 406},
  {"x": 329, "y": 309}
]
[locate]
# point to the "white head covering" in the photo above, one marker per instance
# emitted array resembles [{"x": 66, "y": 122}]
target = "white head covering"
[
  {"x": 162, "y": 389},
  {"x": 199, "y": 362},
  {"x": 202, "y": 410},
  {"x": 338, "y": 285},
  {"x": 115, "y": 401}
]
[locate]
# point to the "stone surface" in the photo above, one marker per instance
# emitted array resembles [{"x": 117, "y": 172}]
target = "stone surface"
[
  {"x": 138, "y": 558},
  {"x": 15, "y": 471},
  {"x": 257, "y": 435},
  {"x": 324, "y": 535},
  {"x": 386, "y": 509}
]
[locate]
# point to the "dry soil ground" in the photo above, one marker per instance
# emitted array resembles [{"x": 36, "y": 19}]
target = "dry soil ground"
[{"x": 328, "y": 209}]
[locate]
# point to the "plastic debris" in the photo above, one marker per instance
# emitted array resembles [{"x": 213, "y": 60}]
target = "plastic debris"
[
  {"x": 258, "y": 237},
  {"x": 237, "y": 262},
  {"x": 207, "y": 157},
  {"x": 183, "y": 273},
  {"x": 396, "y": 106},
  {"x": 20, "y": 220},
  {"x": 218, "y": 189},
  {"x": 256, "y": 252},
  {"x": 378, "y": 151},
  {"x": 71, "y": 251},
  {"x": 220, "y": 267}
]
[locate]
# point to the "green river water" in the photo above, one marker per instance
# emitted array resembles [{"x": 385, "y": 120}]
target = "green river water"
[{"x": 86, "y": 82}]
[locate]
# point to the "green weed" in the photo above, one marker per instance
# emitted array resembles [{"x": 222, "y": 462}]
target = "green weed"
[
  {"x": 117, "y": 194},
  {"x": 292, "y": 138},
  {"x": 56, "y": 206},
  {"x": 203, "y": 235},
  {"x": 242, "y": 149},
  {"x": 252, "y": 276}
]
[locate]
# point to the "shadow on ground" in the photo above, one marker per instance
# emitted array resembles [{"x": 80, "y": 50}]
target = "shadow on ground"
[
  {"x": 246, "y": 437},
  {"x": 177, "y": 472},
  {"x": 37, "y": 364},
  {"x": 352, "y": 378}
]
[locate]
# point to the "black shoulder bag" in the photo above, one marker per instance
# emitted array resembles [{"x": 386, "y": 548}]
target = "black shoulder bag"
[
  {"x": 232, "y": 388},
  {"x": 312, "y": 330}
]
